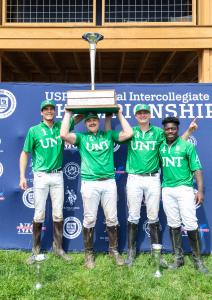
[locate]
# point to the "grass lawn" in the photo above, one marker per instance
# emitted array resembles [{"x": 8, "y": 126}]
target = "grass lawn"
[{"x": 62, "y": 280}]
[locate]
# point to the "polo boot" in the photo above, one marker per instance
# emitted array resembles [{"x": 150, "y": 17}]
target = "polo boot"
[
  {"x": 88, "y": 244},
  {"x": 132, "y": 234},
  {"x": 154, "y": 231},
  {"x": 112, "y": 232},
  {"x": 57, "y": 241},
  {"x": 194, "y": 240},
  {"x": 176, "y": 238},
  {"x": 36, "y": 236}
]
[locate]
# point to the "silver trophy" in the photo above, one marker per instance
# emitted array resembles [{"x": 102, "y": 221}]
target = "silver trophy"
[
  {"x": 100, "y": 101},
  {"x": 156, "y": 252},
  {"x": 92, "y": 39}
]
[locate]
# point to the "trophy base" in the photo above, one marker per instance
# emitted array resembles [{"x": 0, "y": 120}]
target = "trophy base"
[{"x": 94, "y": 108}]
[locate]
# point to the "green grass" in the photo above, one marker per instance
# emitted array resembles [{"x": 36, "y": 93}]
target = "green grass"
[{"x": 62, "y": 280}]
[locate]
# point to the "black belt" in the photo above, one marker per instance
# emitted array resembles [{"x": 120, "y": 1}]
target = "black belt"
[
  {"x": 54, "y": 171},
  {"x": 101, "y": 179},
  {"x": 148, "y": 174}
]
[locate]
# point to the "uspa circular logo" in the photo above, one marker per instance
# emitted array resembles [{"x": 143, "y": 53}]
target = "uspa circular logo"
[
  {"x": 192, "y": 140},
  {"x": 7, "y": 103},
  {"x": 28, "y": 198},
  {"x": 71, "y": 170},
  {"x": 1, "y": 169},
  {"x": 72, "y": 228}
]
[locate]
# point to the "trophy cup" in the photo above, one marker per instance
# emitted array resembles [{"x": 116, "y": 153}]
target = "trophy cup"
[
  {"x": 100, "y": 101},
  {"x": 156, "y": 251}
]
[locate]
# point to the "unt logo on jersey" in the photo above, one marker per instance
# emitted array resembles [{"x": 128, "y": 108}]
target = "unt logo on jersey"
[
  {"x": 50, "y": 142},
  {"x": 97, "y": 147},
  {"x": 173, "y": 161},
  {"x": 138, "y": 145}
]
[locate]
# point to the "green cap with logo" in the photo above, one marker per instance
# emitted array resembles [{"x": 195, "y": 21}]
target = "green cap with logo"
[
  {"x": 91, "y": 115},
  {"x": 46, "y": 103},
  {"x": 142, "y": 107}
]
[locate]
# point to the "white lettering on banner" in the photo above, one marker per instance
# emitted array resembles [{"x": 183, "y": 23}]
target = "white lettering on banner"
[
  {"x": 50, "y": 142},
  {"x": 138, "y": 145},
  {"x": 174, "y": 161},
  {"x": 56, "y": 96},
  {"x": 97, "y": 147}
]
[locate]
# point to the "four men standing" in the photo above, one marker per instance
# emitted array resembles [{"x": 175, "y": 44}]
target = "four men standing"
[{"x": 98, "y": 183}]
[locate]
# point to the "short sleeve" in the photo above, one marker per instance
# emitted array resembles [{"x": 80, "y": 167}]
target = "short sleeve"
[{"x": 29, "y": 141}]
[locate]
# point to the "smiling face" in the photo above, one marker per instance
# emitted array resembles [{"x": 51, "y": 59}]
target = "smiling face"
[
  {"x": 48, "y": 113},
  {"x": 92, "y": 125},
  {"x": 143, "y": 117},
  {"x": 171, "y": 132}
]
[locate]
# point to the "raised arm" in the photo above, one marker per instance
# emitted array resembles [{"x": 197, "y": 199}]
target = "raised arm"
[
  {"x": 64, "y": 130},
  {"x": 127, "y": 131},
  {"x": 192, "y": 127},
  {"x": 108, "y": 118},
  {"x": 200, "y": 187},
  {"x": 22, "y": 166}
]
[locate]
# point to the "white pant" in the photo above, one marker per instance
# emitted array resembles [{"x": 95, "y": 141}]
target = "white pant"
[
  {"x": 94, "y": 192},
  {"x": 43, "y": 184},
  {"x": 143, "y": 186},
  {"x": 179, "y": 206}
]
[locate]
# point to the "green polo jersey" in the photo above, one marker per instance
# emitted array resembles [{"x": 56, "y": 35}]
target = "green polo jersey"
[
  {"x": 179, "y": 161},
  {"x": 143, "y": 150},
  {"x": 96, "y": 151},
  {"x": 46, "y": 146}
]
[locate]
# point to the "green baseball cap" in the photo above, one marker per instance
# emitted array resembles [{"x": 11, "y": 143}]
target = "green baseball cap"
[
  {"x": 142, "y": 107},
  {"x": 91, "y": 115},
  {"x": 46, "y": 103}
]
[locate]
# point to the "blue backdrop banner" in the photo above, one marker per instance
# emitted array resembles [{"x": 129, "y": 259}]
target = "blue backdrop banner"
[{"x": 20, "y": 109}]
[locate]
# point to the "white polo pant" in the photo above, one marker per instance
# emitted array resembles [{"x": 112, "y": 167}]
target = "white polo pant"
[
  {"x": 43, "y": 184},
  {"x": 179, "y": 207},
  {"x": 147, "y": 187},
  {"x": 95, "y": 192}
]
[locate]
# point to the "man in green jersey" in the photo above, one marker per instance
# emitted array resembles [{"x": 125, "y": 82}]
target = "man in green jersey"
[
  {"x": 97, "y": 174},
  {"x": 143, "y": 176},
  {"x": 43, "y": 141},
  {"x": 179, "y": 162}
]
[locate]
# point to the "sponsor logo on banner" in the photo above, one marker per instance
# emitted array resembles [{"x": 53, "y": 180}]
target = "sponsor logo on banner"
[
  {"x": 70, "y": 199},
  {"x": 71, "y": 170},
  {"x": 70, "y": 147},
  {"x": 7, "y": 103},
  {"x": 28, "y": 198},
  {"x": 72, "y": 228},
  {"x": 2, "y": 196},
  {"x": 116, "y": 147},
  {"x": 192, "y": 140},
  {"x": 146, "y": 228},
  {"x": 1, "y": 149},
  {"x": 26, "y": 228},
  {"x": 119, "y": 172},
  {"x": 203, "y": 229},
  {"x": 1, "y": 169}
]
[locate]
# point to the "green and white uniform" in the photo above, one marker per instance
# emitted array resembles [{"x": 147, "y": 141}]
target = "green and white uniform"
[
  {"x": 143, "y": 177},
  {"x": 97, "y": 173},
  {"x": 179, "y": 161},
  {"x": 46, "y": 147}
]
